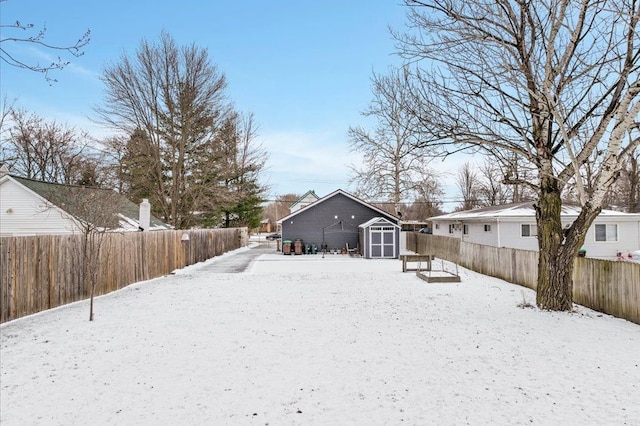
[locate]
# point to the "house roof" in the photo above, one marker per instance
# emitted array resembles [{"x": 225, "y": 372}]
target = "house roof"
[
  {"x": 522, "y": 210},
  {"x": 378, "y": 220},
  {"x": 103, "y": 208},
  {"x": 346, "y": 194},
  {"x": 300, "y": 200}
]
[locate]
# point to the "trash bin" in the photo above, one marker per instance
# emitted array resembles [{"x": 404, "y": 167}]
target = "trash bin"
[
  {"x": 306, "y": 249},
  {"x": 314, "y": 249},
  {"x": 297, "y": 246},
  {"x": 582, "y": 253},
  {"x": 286, "y": 247}
]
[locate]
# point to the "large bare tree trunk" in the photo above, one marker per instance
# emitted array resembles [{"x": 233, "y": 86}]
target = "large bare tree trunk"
[
  {"x": 558, "y": 246},
  {"x": 555, "y": 264}
]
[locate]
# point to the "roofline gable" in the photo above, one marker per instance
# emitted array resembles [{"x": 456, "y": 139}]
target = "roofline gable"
[
  {"x": 120, "y": 214},
  {"x": 45, "y": 202},
  {"x": 299, "y": 200},
  {"x": 333, "y": 194},
  {"x": 378, "y": 219}
]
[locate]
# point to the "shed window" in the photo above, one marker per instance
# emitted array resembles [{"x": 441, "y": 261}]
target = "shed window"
[
  {"x": 528, "y": 230},
  {"x": 437, "y": 226},
  {"x": 487, "y": 228},
  {"x": 465, "y": 229},
  {"x": 606, "y": 232},
  {"x": 451, "y": 227}
]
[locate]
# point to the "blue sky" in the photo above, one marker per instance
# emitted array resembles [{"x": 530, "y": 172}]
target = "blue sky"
[{"x": 302, "y": 67}]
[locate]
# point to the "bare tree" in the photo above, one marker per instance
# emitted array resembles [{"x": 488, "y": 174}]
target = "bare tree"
[
  {"x": 17, "y": 35},
  {"x": 279, "y": 207},
  {"x": 627, "y": 191},
  {"x": 96, "y": 218},
  {"x": 46, "y": 150},
  {"x": 554, "y": 83},
  {"x": 422, "y": 208},
  {"x": 468, "y": 185},
  {"x": 492, "y": 191},
  {"x": 94, "y": 213},
  {"x": 174, "y": 101},
  {"x": 6, "y": 106},
  {"x": 515, "y": 176},
  {"x": 394, "y": 166}
]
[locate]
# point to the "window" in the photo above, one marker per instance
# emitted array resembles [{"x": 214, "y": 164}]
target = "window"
[
  {"x": 437, "y": 226},
  {"x": 606, "y": 232},
  {"x": 487, "y": 228},
  {"x": 465, "y": 229},
  {"x": 451, "y": 227},
  {"x": 529, "y": 230}
]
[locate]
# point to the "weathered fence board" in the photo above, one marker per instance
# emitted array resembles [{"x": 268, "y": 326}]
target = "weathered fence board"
[
  {"x": 606, "y": 286},
  {"x": 42, "y": 272}
]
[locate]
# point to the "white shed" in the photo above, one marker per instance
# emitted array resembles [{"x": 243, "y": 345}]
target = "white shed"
[{"x": 380, "y": 238}]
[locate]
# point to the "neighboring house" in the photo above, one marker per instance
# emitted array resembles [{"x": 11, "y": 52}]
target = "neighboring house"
[
  {"x": 31, "y": 207},
  {"x": 304, "y": 201},
  {"x": 334, "y": 222},
  {"x": 265, "y": 226},
  {"x": 514, "y": 226}
]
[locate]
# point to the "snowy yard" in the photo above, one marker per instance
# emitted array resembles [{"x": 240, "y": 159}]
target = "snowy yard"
[{"x": 307, "y": 340}]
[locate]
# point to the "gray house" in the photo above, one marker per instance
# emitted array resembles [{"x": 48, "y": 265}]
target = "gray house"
[{"x": 333, "y": 222}]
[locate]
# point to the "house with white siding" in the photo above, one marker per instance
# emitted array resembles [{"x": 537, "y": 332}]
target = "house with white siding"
[
  {"x": 302, "y": 202},
  {"x": 514, "y": 226},
  {"x": 31, "y": 207}
]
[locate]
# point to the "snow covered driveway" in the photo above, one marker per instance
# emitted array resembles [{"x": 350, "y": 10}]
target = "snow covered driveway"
[{"x": 306, "y": 340}]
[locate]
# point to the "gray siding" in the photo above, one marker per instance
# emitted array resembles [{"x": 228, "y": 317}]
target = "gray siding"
[{"x": 339, "y": 216}]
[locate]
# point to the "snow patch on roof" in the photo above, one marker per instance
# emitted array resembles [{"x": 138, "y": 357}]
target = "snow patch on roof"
[{"x": 524, "y": 210}]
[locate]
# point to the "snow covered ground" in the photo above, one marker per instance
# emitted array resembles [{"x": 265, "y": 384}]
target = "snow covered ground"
[{"x": 307, "y": 340}]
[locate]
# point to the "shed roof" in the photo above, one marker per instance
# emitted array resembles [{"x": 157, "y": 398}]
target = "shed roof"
[{"x": 376, "y": 220}]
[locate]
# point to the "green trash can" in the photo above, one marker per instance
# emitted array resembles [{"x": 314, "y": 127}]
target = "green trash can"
[{"x": 286, "y": 247}]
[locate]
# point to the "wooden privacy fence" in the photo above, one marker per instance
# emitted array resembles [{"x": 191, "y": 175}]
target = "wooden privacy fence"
[
  {"x": 603, "y": 285},
  {"x": 42, "y": 272}
]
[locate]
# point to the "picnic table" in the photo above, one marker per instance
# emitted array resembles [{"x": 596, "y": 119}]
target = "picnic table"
[{"x": 415, "y": 258}]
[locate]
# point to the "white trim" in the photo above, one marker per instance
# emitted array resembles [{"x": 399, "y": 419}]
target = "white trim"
[
  {"x": 530, "y": 225},
  {"x": 382, "y": 231},
  {"x": 606, "y": 233}
]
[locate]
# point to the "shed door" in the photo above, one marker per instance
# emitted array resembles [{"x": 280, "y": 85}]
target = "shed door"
[{"x": 383, "y": 241}]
